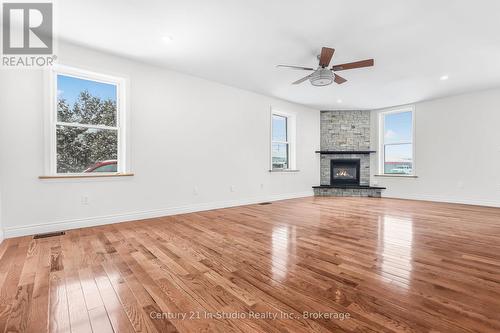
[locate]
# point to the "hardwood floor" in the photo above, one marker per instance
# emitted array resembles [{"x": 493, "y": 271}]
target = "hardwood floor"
[{"x": 370, "y": 265}]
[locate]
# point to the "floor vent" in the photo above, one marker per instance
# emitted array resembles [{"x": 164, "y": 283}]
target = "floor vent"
[
  {"x": 49, "y": 234},
  {"x": 265, "y": 203}
]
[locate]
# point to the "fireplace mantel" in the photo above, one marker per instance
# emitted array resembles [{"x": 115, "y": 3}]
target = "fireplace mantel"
[{"x": 341, "y": 152}]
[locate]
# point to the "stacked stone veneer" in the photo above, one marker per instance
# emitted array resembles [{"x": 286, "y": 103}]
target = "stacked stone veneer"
[{"x": 345, "y": 130}]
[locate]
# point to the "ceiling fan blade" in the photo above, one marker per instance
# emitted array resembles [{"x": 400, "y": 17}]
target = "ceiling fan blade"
[
  {"x": 326, "y": 56},
  {"x": 296, "y": 67},
  {"x": 302, "y": 80},
  {"x": 339, "y": 79},
  {"x": 353, "y": 65}
]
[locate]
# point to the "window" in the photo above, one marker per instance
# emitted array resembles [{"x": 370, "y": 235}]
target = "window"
[
  {"x": 397, "y": 148},
  {"x": 282, "y": 145},
  {"x": 87, "y": 123}
]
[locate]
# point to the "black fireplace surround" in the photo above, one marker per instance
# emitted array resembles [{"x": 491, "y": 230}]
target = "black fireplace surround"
[{"x": 344, "y": 171}]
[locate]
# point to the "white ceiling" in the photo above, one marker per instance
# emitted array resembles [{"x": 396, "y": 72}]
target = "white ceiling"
[{"x": 239, "y": 42}]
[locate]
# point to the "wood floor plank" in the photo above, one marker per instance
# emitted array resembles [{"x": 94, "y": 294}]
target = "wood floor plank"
[
  {"x": 78, "y": 313},
  {"x": 99, "y": 320},
  {"x": 114, "y": 309},
  {"x": 10, "y": 290},
  {"x": 6, "y": 287},
  {"x": 58, "y": 304},
  {"x": 19, "y": 315},
  {"x": 135, "y": 313},
  {"x": 40, "y": 301}
]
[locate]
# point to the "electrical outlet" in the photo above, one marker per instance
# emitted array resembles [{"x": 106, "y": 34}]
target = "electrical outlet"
[
  {"x": 232, "y": 188},
  {"x": 261, "y": 186},
  {"x": 195, "y": 190},
  {"x": 85, "y": 200}
]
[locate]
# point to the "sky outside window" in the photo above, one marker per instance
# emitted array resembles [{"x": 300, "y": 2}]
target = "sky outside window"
[
  {"x": 279, "y": 128},
  {"x": 398, "y": 129},
  {"x": 398, "y": 145},
  {"x": 69, "y": 88}
]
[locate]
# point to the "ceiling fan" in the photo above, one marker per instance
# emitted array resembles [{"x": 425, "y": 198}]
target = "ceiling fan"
[{"x": 323, "y": 76}]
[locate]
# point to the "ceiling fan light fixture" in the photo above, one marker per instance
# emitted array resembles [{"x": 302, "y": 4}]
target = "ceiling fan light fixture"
[
  {"x": 321, "y": 77},
  {"x": 324, "y": 76}
]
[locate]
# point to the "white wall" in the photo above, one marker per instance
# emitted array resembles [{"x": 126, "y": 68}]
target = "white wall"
[
  {"x": 1, "y": 220},
  {"x": 2, "y": 159},
  {"x": 185, "y": 132},
  {"x": 457, "y": 151}
]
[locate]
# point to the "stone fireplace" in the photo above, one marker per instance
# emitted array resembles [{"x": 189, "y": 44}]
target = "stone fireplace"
[{"x": 345, "y": 155}]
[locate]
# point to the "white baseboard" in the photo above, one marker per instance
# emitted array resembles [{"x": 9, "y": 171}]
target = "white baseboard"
[
  {"x": 32, "y": 229},
  {"x": 437, "y": 198}
]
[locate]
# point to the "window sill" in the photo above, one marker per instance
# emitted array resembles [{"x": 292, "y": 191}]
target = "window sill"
[
  {"x": 82, "y": 176},
  {"x": 397, "y": 176},
  {"x": 284, "y": 170}
]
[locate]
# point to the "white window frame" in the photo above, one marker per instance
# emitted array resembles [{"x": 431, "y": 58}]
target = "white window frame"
[
  {"x": 382, "y": 114},
  {"x": 291, "y": 123},
  {"x": 52, "y": 123}
]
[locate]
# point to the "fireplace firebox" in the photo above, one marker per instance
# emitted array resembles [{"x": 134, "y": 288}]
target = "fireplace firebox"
[{"x": 344, "y": 172}]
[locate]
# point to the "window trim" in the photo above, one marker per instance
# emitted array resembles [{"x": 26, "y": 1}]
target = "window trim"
[
  {"x": 52, "y": 123},
  {"x": 291, "y": 124},
  {"x": 381, "y": 115}
]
